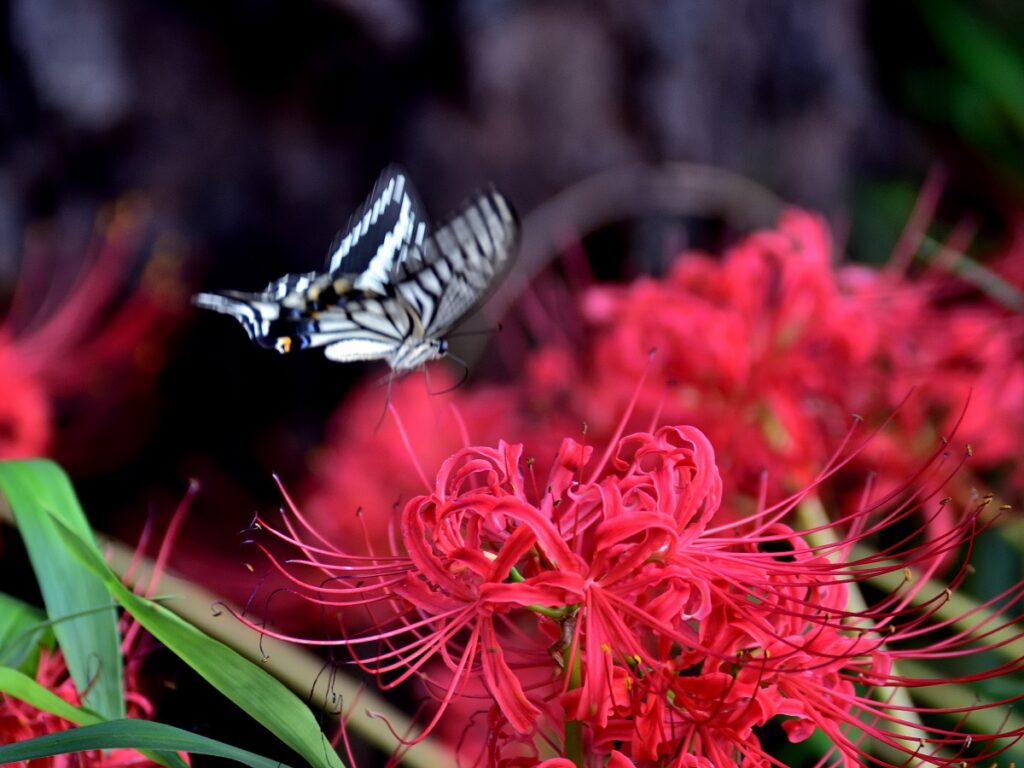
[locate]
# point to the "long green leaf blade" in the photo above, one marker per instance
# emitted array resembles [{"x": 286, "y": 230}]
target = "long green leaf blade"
[
  {"x": 261, "y": 695},
  {"x": 20, "y": 686},
  {"x": 39, "y": 493},
  {"x": 131, "y": 734}
]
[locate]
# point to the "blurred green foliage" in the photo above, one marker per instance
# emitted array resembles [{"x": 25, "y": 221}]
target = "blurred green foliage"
[
  {"x": 977, "y": 90},
  {"x": 956, "y": 70}
]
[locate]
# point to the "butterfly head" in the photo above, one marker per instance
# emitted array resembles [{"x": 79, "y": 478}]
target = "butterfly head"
[{"x": 414, "y": 353}]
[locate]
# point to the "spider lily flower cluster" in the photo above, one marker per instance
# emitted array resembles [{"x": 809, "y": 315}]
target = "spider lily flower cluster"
[
  {"x": 616, "y": 614},
  {"x": 799, "y": 344}
]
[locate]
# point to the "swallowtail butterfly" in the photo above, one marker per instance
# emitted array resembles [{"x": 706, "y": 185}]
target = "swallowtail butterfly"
[{"x": 392, "y": 289}]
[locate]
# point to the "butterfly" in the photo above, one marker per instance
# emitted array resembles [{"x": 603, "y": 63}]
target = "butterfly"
[{"x": 391, "y": 289}]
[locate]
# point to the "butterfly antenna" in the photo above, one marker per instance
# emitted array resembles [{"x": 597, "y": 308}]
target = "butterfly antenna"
[
  {"x": 460, "y": 382},
  {"x": 479, "y": 332}
]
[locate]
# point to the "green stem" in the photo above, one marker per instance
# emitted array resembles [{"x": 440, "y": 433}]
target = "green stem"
[
  {"x": 574, "y": 669},
  {"x": 552, "y": 613},
  {"x": 974, "y": 273},
  {"x": 811, "y": 514}
]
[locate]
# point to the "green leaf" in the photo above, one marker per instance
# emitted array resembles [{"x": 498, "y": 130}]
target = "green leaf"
[
  {"x": 131, "y": 734},
  {"x": 262, "y": 696},
  {"x": 39, "y": 494},
  {"x": 23, "y": 628},
  {"x": 20, "y": 686},
  {"x": 980, "y": 53}
]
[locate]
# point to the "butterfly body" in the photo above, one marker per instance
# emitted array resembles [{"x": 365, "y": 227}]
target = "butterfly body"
[{"x": 391, "y": 290}]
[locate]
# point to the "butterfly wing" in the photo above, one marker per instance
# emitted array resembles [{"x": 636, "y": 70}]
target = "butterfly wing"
[
  {"x": 457, "y": 266},
  {"x": 358, "y": 327},
  {"x": 365, "y": 328},
  {"x": 362, "y": 257},
  {"x": 250, "y": 310},
  {"x": 256, "y": 311},
  {"x": 379, "y": 233}
]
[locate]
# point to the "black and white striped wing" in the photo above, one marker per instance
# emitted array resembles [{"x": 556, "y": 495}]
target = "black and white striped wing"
[
  {"x": 379, "y": 233},
  {"x": 367, "y": 328},
  {"x": 257, "y": 311},
  {"x": 457, "y": 266},
  {"x": 362, "y": 327},
  {"x": 254, "y": 313}
]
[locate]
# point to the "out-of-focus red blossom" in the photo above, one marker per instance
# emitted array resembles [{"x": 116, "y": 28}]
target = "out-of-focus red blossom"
[
  {"x": 611, "y": 612},
  {"x": 771, "y": 348},
  {"x": 73, "y": 347},
  {"x": 20, "y": 721},
  {"x": 26, "y": 416},
  {"x": 1009, "y": 264}
]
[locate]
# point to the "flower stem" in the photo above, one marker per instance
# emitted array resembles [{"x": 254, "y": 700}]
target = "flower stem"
[
  {"x": 552, "y": 613},
  {"x": 573, "y": 668},
  {"x": 811, "y": 515}
]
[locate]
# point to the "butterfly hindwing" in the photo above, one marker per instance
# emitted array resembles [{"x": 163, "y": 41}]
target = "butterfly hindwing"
[
  {"x": 455, "y": 269},
  {"x": 365, "y": 329},
  {"x": 254, "y": 313}
]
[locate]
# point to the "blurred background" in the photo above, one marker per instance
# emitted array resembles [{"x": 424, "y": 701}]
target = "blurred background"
[{"x": 152, "y": 149}]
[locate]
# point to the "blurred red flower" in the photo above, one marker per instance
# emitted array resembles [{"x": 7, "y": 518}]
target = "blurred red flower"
[
  {"x": 74, "y": 349},
  {"x": 26, "y": 414},
  {"x": 770, "y": 349}
]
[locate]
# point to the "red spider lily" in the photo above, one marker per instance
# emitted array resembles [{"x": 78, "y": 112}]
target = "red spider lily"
[
  {"x": 26, "y": 415},
  {"x": 771, "y": 349},
  {"x": 20, "y": 721},
  {"x": 364, "y": 457},
  {"x": 614, "y": 612},
  {"x": 70, "y": 344},
  {"x": 1010, "y": 263}
]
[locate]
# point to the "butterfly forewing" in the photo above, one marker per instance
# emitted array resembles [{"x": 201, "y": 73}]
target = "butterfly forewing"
[{"x": 379, "y": 233}]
